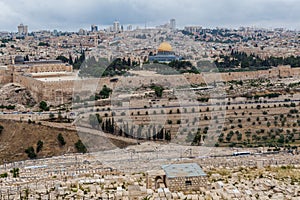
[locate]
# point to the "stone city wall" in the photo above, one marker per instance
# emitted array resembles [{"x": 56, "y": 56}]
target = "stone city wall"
[
  {"x": 34, "y": 86},
  {"x": 5, "y": 76},
  {"x": 58, "y": 92},
  {"x": 281, "y": 71}
]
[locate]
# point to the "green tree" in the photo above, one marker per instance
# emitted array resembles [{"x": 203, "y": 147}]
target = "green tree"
[
  {"x": 43, "y": 106},
  {"x": 44, "y": 44},
  {"x": 70, "y": 60},
  {"x": 30, "y": 153},
  {"x": 59, "y": 116},
  {"x": 15, "y": 172},
  {"x": 63, "y": 59},
  {"x": 99, "y": 119},
  {"x": 39, "y": 146},
  {"x": 80, "y": 147},
  {"x": 168, "y": 136},
  {"x": 158, "y": 90},
  {"x": 105, "y": 92},
  {"x": 61, "y": 139},
  {"x": 281, "y": 139},
  {"x": 4, "y": 175},
  {"x": 1, "y": 129}
]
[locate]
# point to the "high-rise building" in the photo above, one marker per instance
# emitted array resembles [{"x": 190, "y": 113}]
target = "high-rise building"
[
  {"x": 116, "y": 26},
  {"x": 173, "y": 24},
  {"x": 129, "y": 28},
  {"x": 22, "y": 30},
  {"x": 94, "y": 28}
]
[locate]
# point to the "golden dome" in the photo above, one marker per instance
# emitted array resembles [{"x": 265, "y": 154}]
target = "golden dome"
[{"x": 165, "y": 47}]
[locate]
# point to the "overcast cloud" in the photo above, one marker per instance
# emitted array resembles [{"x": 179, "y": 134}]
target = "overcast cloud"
[{"x": 75, "y": 14}]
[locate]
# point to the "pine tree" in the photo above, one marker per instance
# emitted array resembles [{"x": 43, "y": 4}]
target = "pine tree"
[
  {"x": 129, "y": 62},
  {"x": 70, "y": 60},
  {"x": 154, "y": 133},
  {"x": 103, "y": 126},
  {"x": 126, "y": 130},
  {"x": 167, "y": 136},
  {"x": 131, "y": 132},
  {"x": 113, "y": 126}
]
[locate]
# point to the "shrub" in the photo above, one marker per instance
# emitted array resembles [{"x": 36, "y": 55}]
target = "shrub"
[
  {"x": 80, "y": 147},
  {"x": 39, "y": 146},
  {"x": 61, "y": 139},
  {"x": 265, "y": 112},
  {"x": 30, "y": 153},
  {"x": 43, "y": 106},
  {"x": 1, "y": 129}
]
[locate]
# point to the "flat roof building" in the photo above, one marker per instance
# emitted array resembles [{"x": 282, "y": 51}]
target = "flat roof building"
[
  {"x": 178, "y": 177},
  {"x": 183, "y": 170},
  {"x": 184, "y": 177}
]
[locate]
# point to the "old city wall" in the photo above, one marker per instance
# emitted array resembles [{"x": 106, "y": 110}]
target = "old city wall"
[
  {"x": 62, "y": 91},
  {"x": 282, "y": 71},
  {"x": 58, "y": 92},
  {"x": 34, "y": 86},
  {"x": 5, "y": 76},
  {"x": 187, "y": 79}
]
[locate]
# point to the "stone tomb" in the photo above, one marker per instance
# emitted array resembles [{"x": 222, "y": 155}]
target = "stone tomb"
[{"x": 178, "y": 177}]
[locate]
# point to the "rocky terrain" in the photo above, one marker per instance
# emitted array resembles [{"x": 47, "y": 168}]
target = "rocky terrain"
[{"x": 14, "y": 94}]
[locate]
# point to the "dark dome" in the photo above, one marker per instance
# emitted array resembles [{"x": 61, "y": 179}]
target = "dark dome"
[{"x": 19, "y": 59}]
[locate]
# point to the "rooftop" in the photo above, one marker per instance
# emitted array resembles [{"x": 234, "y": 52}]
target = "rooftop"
[{"x": 183, "y": 170}]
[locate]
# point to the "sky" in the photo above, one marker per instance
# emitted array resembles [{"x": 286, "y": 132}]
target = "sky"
[{"x": 71, "y": 15}]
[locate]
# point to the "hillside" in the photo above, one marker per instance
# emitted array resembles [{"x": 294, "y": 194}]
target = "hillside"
[{"x": 16, "y": 137}]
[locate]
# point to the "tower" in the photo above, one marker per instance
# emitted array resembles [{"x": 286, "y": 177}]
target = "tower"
[
  {"x": 116, "y": 26},
  {"x": 173, "y": 24},
  {"x": 22, "y": 30}
]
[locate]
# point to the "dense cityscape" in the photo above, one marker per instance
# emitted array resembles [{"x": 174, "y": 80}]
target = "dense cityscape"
[{"x": 131, "y": 112}]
